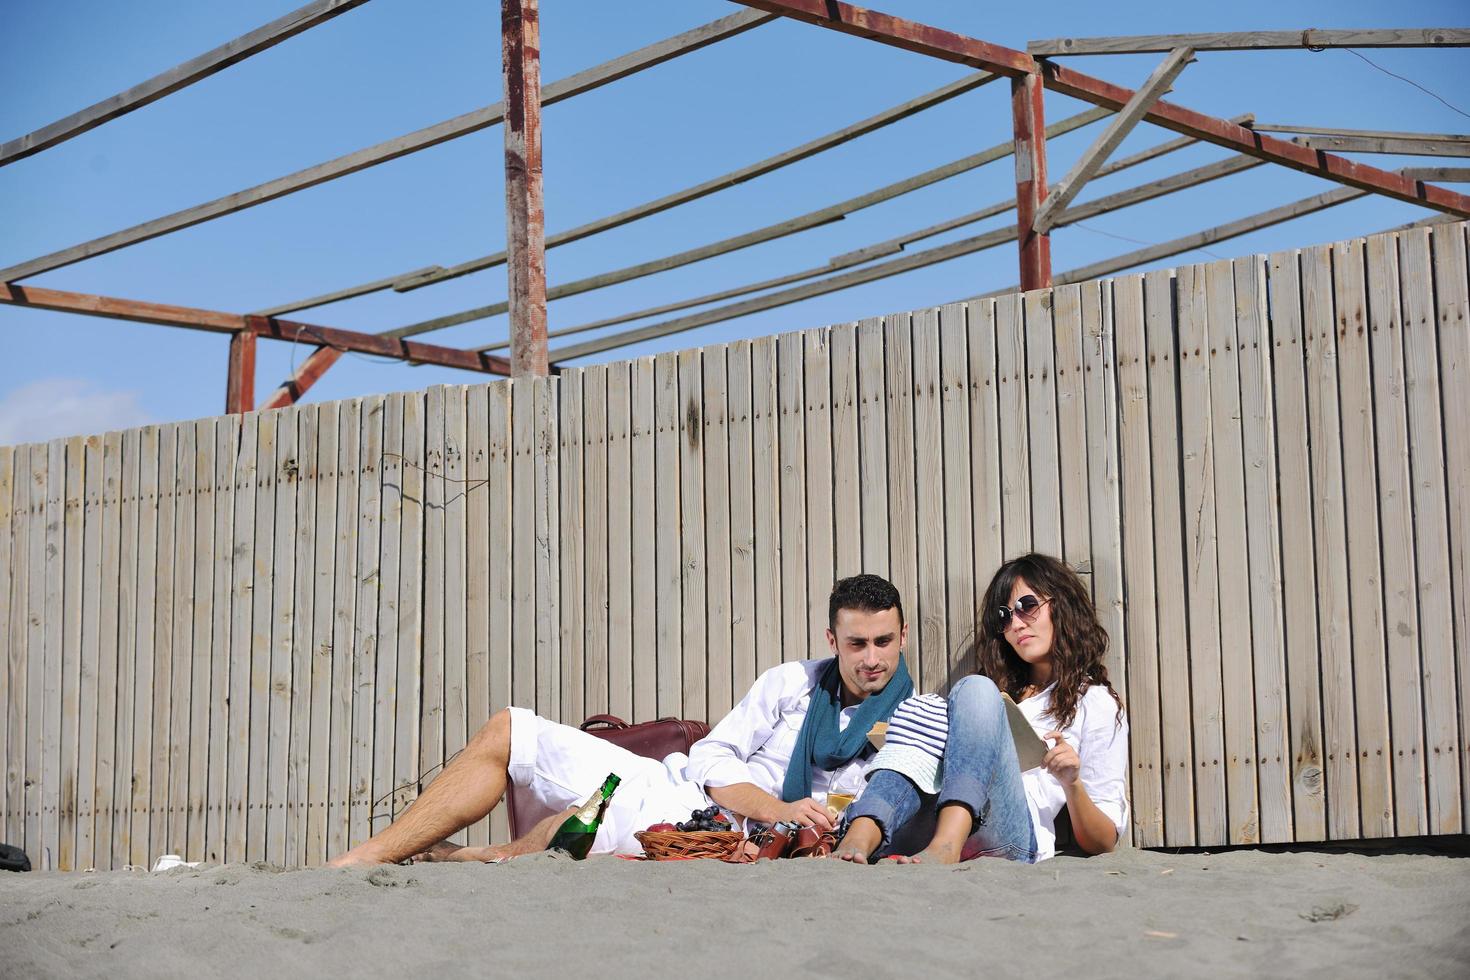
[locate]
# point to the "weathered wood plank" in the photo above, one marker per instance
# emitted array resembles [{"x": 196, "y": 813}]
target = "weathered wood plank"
[
  {"x": 17, "y": 661},
  {"x": 500, "y": 454},
  {"x": 328, "y": 426},
  {"x": 1365, "y": 579},
  {"x": 8, "y": 615},
  {"x": 816, "y": 424},
  {"x": 91, "y": 586},
  {"x": 959, "y": 554},
  {"x": 1431, "y": 533},
  {"x": 107, "y": 665},
  {"x": 766, "y": 476},
  {"x": 261, "y": 591},
  {"x": 622, "y": 654},
  {"x": 523, "y": 546},
  {"x": 1263, "y": 536},
  {"x": 1298, "y": 556},
  {"x": 1324, "y": 428},
  {"x": 667, "y": 520},
  {"x": 1015, "y": 428},
  {"x": 276, "y": 696},
  {"x": 149, "y": 532},
  {"x": 715, "y": 438},
  {"x": 546, "y": 476},
  {"x": 1071, "y": 419},
  {"x": 299, "y": 693},
  {"x": 186, "y": 589},
  {"x": 1419, "y": 37},
  {"x": 929, "y": 638},
  {"x": 227, "y": 435},
  {"x": 1237, "y": 655},
  {"x": 594, "y": 604},
  {"x": 477, "y": 491},
  {"x": 367, "y": 637},
  {"x": 846, "y": 479},
  {"x": 35, "y": 645},
  {"x": 643, "y": 530},
  {"x": 1176, "y": 726},
  {"x": 1041, "y": 418},
  {"x": 903, "y": 530},
  {"x": 1452, "y": 300},
  {"x": 344, "y": 602},
  {"x": 69, "y": 702},
  {"x": 196, "y": 723},
  {"x": 790, "y": 407},
  {"x": 872, "y": 393},
  {"x": 1403, "y": 689},
  {"x": 694, "y": 572},
  {"x": 431, "y": 705},
  {"x": 743, "y": 558},
  {"x": 1100, "y": 396},
  {"x": 1201, "y": 555},
  {"x": 573, "y": 446},
  {"x": 985, "y": 446},
  {"x": 1135, "y": 466},
  {"x": 385, "y": 677},
  {"x": 456, "y": 721}
]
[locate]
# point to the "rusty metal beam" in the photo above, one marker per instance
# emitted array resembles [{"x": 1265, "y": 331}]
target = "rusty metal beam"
[
  {"x": 308, "y": 374},
  {"x": 947, "y": 46},
  {"x": 525, "y": 215},
  {"x": 1029, "y": 120},
  {"x": 215, "y": 321},
  {"x": 178, "y": 77},
  {"x": 240, "y": 382}
]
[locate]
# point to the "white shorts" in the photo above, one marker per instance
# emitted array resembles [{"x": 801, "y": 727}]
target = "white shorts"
[{"x": 562, "y": 766}]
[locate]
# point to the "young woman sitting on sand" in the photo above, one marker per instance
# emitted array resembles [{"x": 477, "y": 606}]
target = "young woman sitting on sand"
[{"x": 1039, "y": 642}]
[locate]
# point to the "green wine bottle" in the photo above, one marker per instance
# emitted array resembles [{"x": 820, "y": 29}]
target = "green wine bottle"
[{"x": 577, "y": 832}]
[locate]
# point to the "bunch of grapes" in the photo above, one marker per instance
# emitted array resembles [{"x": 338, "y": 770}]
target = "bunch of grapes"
[{"x": 710, "y": 818}]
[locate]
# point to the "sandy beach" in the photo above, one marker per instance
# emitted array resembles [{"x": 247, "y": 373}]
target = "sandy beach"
[{"x": 1132, "y": 914}]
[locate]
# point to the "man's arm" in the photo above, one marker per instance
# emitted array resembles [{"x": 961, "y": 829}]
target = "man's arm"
[{"x": 749, "y": 800}]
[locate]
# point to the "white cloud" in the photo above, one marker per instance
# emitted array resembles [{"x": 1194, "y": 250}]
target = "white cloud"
[{"x": 55, "y": 407}]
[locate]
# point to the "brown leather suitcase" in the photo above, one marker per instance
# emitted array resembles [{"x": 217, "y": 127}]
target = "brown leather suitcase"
[{"x": 651, "y": 739}]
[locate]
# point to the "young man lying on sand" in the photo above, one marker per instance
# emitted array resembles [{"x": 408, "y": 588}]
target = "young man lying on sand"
[{"x": 802, "y": 729}]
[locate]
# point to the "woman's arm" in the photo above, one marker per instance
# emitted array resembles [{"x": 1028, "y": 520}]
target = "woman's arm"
[{"x": 1095, "y": 831}]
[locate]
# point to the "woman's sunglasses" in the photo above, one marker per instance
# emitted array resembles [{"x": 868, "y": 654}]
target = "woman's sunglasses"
[{"x": 1025, "y": 609}]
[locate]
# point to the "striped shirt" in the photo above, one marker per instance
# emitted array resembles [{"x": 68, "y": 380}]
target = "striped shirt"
[{"x": 922, "y": 722}]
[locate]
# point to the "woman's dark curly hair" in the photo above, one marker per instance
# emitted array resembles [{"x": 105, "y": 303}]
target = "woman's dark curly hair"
[{"x": 1078, "y": 640}]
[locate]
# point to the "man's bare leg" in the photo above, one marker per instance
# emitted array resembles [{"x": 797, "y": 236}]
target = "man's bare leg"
[
  {"x": 536, "y": 840},
  {"x": 467, "y": 789}
]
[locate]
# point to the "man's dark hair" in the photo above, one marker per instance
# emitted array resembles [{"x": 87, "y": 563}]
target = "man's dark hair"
[{"x": 869, "y": 593}]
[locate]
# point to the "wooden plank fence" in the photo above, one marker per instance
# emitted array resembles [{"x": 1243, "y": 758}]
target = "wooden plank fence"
[{"x": 257, "y": 638}]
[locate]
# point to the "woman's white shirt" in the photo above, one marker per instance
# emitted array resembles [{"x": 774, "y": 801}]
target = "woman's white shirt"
[{"x": 1100, "y": 736}]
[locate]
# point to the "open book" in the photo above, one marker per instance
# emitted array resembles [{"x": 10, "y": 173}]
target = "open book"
[{"x": 1030, "y": 748}]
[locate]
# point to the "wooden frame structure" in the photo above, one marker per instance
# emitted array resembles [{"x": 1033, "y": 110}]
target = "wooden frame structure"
[{"x": 1038, "y": 208}]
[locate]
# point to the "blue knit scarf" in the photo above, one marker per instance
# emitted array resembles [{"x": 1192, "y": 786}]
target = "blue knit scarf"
[{"x": 820, "y": 742}]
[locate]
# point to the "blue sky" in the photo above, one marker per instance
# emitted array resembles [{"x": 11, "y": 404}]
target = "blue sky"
[{"x": 393, "y": 66}]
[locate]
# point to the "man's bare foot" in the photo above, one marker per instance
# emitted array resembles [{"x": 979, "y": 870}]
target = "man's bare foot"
[
  {"x": 356, "y": 858},
  {"x": 938, "y": 852},
  {"x": 860, "y": 841}
]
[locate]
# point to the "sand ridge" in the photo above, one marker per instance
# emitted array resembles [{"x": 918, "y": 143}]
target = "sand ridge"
[{"x": 1131, "y": 914}]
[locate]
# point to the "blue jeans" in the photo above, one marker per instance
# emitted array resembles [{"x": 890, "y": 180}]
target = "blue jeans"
[{"x": 980, "y": 773}]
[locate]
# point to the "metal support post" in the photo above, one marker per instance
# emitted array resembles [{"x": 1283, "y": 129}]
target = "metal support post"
[
  {"x": 1029, "y": 119},
  {"x": 525, "y": 219}
]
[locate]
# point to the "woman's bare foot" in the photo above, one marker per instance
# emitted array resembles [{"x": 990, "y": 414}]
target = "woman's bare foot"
[
  {"x": 938, "y": 852},
  {"x": 862, "y": 838}
]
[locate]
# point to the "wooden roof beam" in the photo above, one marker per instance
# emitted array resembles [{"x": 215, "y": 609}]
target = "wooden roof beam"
[
  {"x": 1153, "y": 88},
  {"x": 1376, "y": 144},
  {"x": 180, "y": 76},
  {"x": 1369, "y": 133},
  {"x": 1312, "y": 38},
  {"x": 948, "y": 46},
  {"x": 421, "y": 139},
  {"x": 407, "y": 281}
]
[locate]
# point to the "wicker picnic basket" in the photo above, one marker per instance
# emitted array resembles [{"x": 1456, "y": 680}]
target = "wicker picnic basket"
[{"x": 677, "y": 845}]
